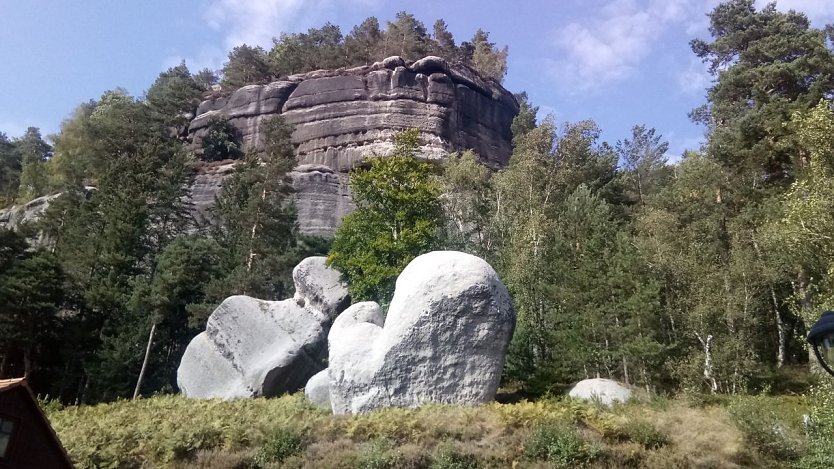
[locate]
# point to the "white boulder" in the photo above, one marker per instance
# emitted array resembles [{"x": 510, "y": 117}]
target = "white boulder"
[
  {"x": 317, "y": 389},
  {"x": 444, "y": 339},
  {"x": 604, "y": 391},
  {"x": 253, "y": 347}
]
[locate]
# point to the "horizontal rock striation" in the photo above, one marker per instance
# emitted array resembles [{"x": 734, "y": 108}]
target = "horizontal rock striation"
[{"x": 342, "y": 116}]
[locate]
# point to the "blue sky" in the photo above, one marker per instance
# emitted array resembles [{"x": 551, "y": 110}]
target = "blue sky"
[{"x": 618, "y": 62}]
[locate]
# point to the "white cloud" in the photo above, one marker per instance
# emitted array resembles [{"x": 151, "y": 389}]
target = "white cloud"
[
  {"x": 609, "y": 48},
  {"x": 819, "y": 12},
  {"x": 694, "y": 79},
  {"x": 256, "y": 22},
  {"x": 208, "y": 57}
]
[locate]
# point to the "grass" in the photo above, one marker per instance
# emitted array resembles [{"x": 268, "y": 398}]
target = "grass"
[{"x": 287, "y": 432}]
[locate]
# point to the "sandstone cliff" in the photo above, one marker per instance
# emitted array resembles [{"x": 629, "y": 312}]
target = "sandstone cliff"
[{"x": 342, "y": 116}]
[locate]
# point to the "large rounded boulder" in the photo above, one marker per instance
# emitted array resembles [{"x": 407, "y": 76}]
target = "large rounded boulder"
[
  {"x": 444, "y": 339},
  {"x": 253, "y": 347}
]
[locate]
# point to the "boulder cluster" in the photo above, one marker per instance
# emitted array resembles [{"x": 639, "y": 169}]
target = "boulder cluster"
[{"x": 443, "y": 340}]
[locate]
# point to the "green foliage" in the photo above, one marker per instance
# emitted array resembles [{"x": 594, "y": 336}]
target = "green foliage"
[
  {"x": 765, "y": 431},
  {"x": 31, "y": 290},
  {"x": 173, "y": 431},
  {"x": 10, "y": 165},
  {"x": 280, "y": 445},
  {"x": 819, "y": 451},
  {"x": 768, "y": 65},
  {"x": 34, "y": 154},
  {"x": 560, "y": 445},
  {"x": 174, "y": 97},
  {"x": 450, "y": 457},
  {"x": 247, "y": 65},
  {"x": 256, "y": 220},
  {"x": 397, "y": 218},
  {"x": 489, "y": 61},
  {"x": 378, "y": 454},
  {"x": 221, "y": 141}
]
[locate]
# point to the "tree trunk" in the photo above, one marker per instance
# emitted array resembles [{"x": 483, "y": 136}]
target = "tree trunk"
[
  {"x": 144, "y": 363},
  {"x": 781, "y": 330},
  {"x": 708, "y": 362}
]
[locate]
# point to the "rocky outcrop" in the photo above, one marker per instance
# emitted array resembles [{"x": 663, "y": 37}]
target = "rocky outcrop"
[
  {"x": 443, "y": 341},
  {"x": 254, "y": 347},
  {"x": 16, "y": 216},
  {"x": 208, "y": 180},
  {"x": 604, "y": 391},
  {"x": 342, "y": 116}
]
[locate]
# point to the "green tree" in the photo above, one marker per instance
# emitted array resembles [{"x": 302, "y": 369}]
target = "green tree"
[
  {"x": 799, "y": 236},
  {"x": 221, "y": 141},
  {"x": 174, "y": 97},
  {"x": 10, "y": 165},
  {"x": 183, "y": 271},
  {"x": 34, "y": 174},
  {"x": 468, "y": 202},
  {"x": 364, "y": 42},
  {"x": 407, "y": 37},
  {"x": 444, "y": 42},
  {"x": 398, "y": 217},
  {"x": 31, "y": 292},
  {"x": 643, "y": 157},
  {"x": 257, "y": 219},
  {"x": 489, "y": 61},
  {"x": 525, "y": 121},
  {"x": 767, "y": 65},
  {"x": 247, "y": 65}
]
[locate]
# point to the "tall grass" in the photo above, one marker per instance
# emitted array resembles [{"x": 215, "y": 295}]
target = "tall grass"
[{"x": 172, "y": 431}]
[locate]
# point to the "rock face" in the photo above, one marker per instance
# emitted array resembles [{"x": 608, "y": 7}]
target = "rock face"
[
  {"x": 15, "y": 216},
  {"x": 342, "y": 116},
  {"x": 444, "y": 339},
  {"x": 207, "y": 183},
  {"x": 317, "y": 389},
  {"x": 604, "y": 391},
  {"x": 253, "y": 347}
]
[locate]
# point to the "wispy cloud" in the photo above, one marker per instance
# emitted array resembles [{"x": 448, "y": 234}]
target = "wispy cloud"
[
  {"x": 256, "y": 22},
  {"x": 694, "y": 79},
  {"x": 819, "y": 12},
  {"x": 609, "y": 48}
]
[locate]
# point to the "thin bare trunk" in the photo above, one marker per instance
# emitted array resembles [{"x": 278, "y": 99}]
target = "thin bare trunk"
[
  {"x": 781, "y": 330},
  {"x": 708, "y": 373},
  {"x": 144, "y": 362}
]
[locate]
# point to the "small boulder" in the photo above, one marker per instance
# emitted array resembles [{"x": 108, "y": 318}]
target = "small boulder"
[
  {"x": 604, "y": 391},
  {"x": 317, "y": 389},
  {"x": 253, "y": 347},
  {"x": 444, "y": 339}
]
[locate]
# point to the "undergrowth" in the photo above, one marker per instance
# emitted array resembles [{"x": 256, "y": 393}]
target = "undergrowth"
[{"x": 287, "y": 432}]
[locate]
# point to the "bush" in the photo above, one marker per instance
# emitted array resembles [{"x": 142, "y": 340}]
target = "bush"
[
  {"x": 378, "y": 454},
  {"x": 221, "y": 142},
  {"x": 820, "y": 448},
  {"x": 764, "y": 431},
  {"x": 560, "y": 445},
  {"x": 449, "y": 457},
  {"x": 280, "y": 446}
]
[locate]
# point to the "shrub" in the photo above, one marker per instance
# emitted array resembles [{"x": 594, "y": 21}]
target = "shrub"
[
  {"x": 645, "y": 434},
  {"x": 280, "y": 446},
  {"x": 378, "y": 454},
  {"x": 560, "y": 445},
  {"x": 764, "y": 431},
  {"x": 221, "y": 142},
  {"x": 449, "y": 457},
  {"x": 820, "y": 449}
]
